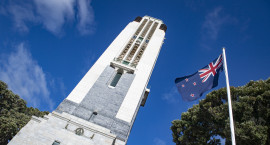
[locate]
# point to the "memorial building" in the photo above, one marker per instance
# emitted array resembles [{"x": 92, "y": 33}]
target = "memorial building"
[{"x": 102, "y": 108}]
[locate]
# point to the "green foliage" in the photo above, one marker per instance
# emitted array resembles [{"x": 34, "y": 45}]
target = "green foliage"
[
  {"x": 14, "y": 113},
  {"x": 202, "y": 123}
]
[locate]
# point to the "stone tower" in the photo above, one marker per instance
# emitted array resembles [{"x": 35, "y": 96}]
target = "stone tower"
[{"x": 102, "y": 108}]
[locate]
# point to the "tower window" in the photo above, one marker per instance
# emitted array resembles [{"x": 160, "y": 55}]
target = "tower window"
[
  {"x": 92, "y": 115},
  {"x": 140, "y": 53},
  {"x": 123, "y": 53},
  {"x": 56, "y": 143},
  {"x": 125, "y": 62},
  {"x": 116, "y": 79}
]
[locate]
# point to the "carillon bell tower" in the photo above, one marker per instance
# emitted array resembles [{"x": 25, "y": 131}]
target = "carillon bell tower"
[{"x": 102, "y": 108}]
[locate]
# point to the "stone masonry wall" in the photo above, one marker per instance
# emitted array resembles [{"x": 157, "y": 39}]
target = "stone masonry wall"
[{"x": 105, "y": 101}]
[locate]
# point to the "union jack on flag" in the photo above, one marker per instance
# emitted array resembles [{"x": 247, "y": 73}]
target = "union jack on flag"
[
  {"x": 212, "y": 68},
  {"x": 193, "y": 86}
]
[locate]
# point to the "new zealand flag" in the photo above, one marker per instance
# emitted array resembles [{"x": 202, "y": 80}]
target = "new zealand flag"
[{"x": 193, "y": 86}]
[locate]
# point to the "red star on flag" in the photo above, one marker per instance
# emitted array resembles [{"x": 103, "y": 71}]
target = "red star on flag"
[
  {"x": 192, "y": 95},
  {"x": 183, "y": 85},
  {"x": 186, "y": 79},
  {"x": 194, "y": 84}
]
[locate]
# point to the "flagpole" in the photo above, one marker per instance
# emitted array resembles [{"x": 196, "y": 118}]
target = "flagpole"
[{"x": 229, "y": 98}]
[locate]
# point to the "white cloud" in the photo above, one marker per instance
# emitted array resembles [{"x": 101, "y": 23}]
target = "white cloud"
[
  {"x": 25, "y": 77},
  {"x": 159, "y": 141},
  {"x": 213, "y": 22},
  {"x": 86, "y": 17},
  {"x": 52, "y": 14},
  {"x": 172, "y": 96},
  {"x": 21, "y": 15}
]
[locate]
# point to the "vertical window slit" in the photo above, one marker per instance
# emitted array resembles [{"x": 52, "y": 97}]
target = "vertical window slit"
[
  {"x": 116, "y": 79},
  {"x": 123, "y": 53},
  {"x": 140, "y": 53}
]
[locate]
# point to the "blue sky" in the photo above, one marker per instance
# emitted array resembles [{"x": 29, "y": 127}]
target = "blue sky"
[{"x": 46, "y": 47}]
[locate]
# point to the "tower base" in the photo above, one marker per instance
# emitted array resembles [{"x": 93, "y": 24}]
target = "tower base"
[{"x": 63, "y": 129}]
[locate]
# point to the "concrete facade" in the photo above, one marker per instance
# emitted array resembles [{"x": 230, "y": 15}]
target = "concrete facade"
[
  {"x": 103, "y": 106},
  {"x": 61, "y": 128}
]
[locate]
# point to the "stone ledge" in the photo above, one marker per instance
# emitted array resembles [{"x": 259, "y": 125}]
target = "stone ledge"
[
  {"x": 84, "y": 124},
  {"x": 124, "y": 67}
]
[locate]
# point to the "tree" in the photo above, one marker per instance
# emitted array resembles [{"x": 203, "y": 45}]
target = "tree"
[
  {"x": 207, "y": 121},
  {"x": 14, "y": 113}
]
